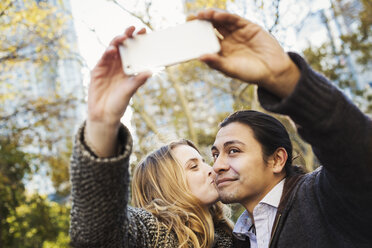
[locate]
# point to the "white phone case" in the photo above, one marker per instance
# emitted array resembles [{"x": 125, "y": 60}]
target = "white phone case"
[{"x": 169, "y": 46}]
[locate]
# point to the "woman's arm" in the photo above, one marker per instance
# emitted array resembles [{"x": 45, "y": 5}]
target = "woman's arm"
[
  {"x": 99, "y": 194},
  {"x": 100, "y": 160}
]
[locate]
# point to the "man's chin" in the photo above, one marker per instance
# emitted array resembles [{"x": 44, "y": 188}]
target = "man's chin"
[{"x": 227, "y": 197}]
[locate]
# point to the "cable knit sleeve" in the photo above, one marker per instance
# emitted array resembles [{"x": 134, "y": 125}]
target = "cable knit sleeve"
[
  {"x": 100, "y": 215},
  {"x": 99, "y": 195}
]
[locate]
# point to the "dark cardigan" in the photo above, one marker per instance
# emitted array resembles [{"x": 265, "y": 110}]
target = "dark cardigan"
[
  {"x": 332, "y": 206},
  {"x": 100, "y": 216}
]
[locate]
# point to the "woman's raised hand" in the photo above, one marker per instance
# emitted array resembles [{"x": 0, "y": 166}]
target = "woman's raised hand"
[{"x": 109, "y": 93}]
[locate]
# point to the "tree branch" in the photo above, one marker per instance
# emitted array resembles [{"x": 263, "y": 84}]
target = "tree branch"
[
  {"x": 15, "y": 56},
  {"x": 3, "y": 12},
  {"x": 138, "y": 108},
  {"x": 185, "y": 107},
  {"x": 147, "y": 24},
  {"x": 25, "y": 108},
  {"x": 277, "y": 16}
]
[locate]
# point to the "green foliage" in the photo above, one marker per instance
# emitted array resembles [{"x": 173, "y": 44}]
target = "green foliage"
[
  {"x": 356, "y": 45},
  {"x": 33, "y": 115},
  {"x": 26, "y": 220},
  {"x": 37, "y": 222},
  {"x": 33, "y": 110},
  {"x": 236, "y": 210},
  {"x": 322, "y": 59},
  {"x": 359, "y": 41},
  {"x": 13, "y": 166}
]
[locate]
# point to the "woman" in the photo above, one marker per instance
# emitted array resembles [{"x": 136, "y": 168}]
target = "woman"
[{"x": 173, "y": 191}]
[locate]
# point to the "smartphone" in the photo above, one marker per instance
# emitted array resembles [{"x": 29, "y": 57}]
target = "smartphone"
[{"x": 168, "y": 46}]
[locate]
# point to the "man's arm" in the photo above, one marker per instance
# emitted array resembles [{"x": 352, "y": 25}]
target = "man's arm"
[
  {"x": 339, "y": 132},
  {"x": 341, "y": 137}
]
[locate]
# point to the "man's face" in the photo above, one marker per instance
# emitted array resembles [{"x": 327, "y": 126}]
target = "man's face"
[{"x": 242, "y": 175}]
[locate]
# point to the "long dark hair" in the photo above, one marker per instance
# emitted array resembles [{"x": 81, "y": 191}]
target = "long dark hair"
[{"x": 267, "y": 130}]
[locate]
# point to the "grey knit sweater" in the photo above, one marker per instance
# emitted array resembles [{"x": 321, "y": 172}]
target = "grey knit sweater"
[
  {"x": 332, "y": 206},
  {"x": 100, "y": 216}
]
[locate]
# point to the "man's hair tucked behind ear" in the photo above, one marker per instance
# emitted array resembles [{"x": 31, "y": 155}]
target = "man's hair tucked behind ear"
[{"x": 267, "y": 130}]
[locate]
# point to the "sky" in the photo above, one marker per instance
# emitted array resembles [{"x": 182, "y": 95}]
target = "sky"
[
  {"x": 109, "y": 20},
  {"x": 99, "y": 21}
]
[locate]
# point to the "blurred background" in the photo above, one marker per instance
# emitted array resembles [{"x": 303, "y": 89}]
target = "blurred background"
[{"x": 48, "y": 47}]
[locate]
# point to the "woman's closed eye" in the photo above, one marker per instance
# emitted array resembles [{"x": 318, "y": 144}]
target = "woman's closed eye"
[{"x": 193, "y": 166}]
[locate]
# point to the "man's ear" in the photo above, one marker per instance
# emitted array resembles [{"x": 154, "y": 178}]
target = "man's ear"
[{"x": 278, "y": 160}]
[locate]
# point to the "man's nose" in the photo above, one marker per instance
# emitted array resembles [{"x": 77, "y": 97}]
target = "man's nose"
[{"x": 220, "y": 165}]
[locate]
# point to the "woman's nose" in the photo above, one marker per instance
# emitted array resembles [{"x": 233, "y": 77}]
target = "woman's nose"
[{"x": 211, "y": 172}]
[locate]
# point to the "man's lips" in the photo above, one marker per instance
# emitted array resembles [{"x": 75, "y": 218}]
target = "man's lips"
[{"x": 222, "y": 181}]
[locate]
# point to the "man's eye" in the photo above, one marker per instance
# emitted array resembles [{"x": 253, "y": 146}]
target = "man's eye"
[
  {"x": 215, "y": 156},
  {"x": 233, "y": 150}
]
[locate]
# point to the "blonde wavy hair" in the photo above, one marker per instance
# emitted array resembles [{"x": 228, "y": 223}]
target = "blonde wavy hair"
[{"x": 159, "y": 185}]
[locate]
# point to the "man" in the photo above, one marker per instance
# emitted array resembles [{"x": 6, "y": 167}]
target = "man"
[{"x": 329, "y": 207}]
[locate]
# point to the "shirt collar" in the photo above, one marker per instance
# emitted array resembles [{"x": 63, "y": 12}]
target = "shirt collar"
[
  {"x": 244, "y": 222},
  {"x": 273, "y": 197},
  {"x": 242, "y": 225}
]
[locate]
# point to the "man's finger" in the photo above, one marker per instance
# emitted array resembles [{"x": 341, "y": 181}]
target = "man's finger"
[
  {"x": 221, "y": 18},
  {"x": 191, "y": 17},
  {"x": 212, "y": 60}
]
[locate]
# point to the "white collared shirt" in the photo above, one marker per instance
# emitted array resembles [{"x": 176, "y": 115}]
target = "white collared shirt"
[{"x": 264, "y": 215}]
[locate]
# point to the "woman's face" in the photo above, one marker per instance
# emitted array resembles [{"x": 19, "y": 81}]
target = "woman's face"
[{"x": 200, "y": 176}]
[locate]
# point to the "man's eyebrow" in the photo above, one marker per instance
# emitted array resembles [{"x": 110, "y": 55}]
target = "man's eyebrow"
[
  {"x": 228, "y": 143},
  {"x": 233, "y": 142}
]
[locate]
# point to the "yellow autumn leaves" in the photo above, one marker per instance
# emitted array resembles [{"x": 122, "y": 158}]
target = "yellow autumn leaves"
[{"x": 32, "y": 34}]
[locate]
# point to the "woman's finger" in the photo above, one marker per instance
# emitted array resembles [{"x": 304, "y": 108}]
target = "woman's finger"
[
  {"x": 142, "y": 31},
  {"x": 108, "y": 55},
  {"x": 129, "y": 31},
  {"x": 142, "y": 77},
  {"x": 137, "y": 81},
  {"x": 118, "y": 40}
]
